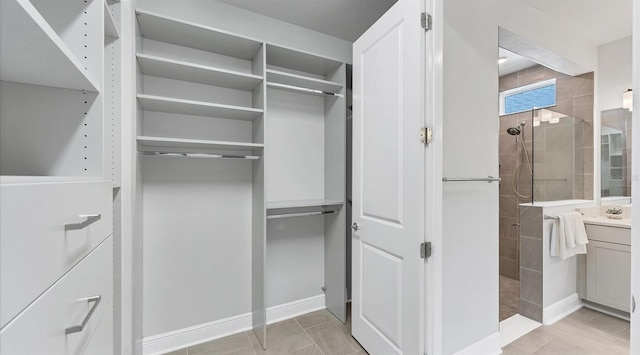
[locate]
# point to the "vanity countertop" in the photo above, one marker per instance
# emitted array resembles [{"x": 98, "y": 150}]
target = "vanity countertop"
[{"x": 604, "y": 221}]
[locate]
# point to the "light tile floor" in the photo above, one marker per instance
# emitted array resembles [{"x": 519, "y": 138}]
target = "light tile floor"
[
  {"x": 584, "y": 332},
  {"x": 316, "y": 333}
]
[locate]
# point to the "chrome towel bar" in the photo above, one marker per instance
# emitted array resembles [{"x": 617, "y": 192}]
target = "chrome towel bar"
[
  {"x": 488, "y": 179},
  {"x": 550, "y": 217}
]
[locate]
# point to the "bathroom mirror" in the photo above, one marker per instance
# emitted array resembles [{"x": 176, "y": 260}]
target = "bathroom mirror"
[{"x": 615, "y": 153}]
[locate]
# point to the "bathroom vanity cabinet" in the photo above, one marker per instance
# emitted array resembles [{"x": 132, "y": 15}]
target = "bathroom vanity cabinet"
[{"x": 607, "y": 275}]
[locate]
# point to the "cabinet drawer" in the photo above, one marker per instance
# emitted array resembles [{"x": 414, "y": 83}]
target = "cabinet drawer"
[
  {"x": 608, "y": 234},
  {"x": 42, "y": 327},
  {"x": 42, "y": 236}
]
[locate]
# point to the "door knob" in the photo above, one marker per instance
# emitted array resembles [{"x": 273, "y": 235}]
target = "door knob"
[{"x": 355, "y": 227}]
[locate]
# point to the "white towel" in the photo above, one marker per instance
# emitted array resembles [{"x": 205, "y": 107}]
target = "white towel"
[{"x": 568, "y": 236}]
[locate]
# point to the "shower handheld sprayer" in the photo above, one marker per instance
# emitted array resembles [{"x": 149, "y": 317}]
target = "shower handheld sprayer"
[{"x": 516, "y": 131}]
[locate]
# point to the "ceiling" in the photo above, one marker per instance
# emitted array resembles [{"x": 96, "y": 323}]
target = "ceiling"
[
  {"x": 346, "y": 19},
  {"x": 514, "y": 62},
  {"x": 602, "y": 21}
]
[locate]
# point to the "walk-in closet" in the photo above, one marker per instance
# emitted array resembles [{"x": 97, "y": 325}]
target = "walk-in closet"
[{"x": 241, "y": 173}]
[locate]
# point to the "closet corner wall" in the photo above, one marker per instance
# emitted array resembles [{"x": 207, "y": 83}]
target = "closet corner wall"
[
  {"x": 59, "y": 163},
  {"x": 241, "y": 162}
]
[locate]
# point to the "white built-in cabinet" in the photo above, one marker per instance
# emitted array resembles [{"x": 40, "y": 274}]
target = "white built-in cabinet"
[
  {"x": 59, "y": 165},
  {"x": 239, "y": 143},
  {"x": 608, "y": 267}
]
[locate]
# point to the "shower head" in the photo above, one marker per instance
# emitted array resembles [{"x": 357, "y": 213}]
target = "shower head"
[{"x": 514, "y": 131}]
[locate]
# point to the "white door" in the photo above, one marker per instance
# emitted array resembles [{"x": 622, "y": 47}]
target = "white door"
[{"x": 388, "y": 183}]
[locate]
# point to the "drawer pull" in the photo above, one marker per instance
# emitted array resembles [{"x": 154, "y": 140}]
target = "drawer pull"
[
  {"x": 79, "y": 328},
  {"x": 89, "y": 218}
]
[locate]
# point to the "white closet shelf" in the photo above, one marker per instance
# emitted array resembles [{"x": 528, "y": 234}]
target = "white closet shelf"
[
  {"x": 171, "y": 30},
  {"x": 21, "y": 179},
  {"x": 185, "y": 71},
  {"x": 301, "y": 61},
  {"x": 271, "y": 205},
  {"x": 197, "y": 108},
  {"x": 153, "y": 144},
  {"x": 110, "y": 28},
  {"x": 279, "y": 77},
  {"x": 33, "y": 53}
]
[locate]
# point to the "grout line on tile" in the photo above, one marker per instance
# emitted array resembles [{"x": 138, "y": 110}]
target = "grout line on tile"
[
  {"x": 315, "y": 325},
  {"x": 246, "y": 334},
  {"x": 309, "y": 335}
]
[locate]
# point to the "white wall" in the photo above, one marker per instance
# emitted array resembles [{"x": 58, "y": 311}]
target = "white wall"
[
  {"x": 614, "y": 72},
  {"x": 559, "y": 277},
  {"x": 470, "y": 137},
  {"x": 470, "y": 210},
  {"x": 229, "y": 18}
]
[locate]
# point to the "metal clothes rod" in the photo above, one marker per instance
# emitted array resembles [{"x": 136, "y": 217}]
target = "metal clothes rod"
[
  {"x": 205, "y": 155},
  {"x": 488, "y": 179},
  {"x": 301, "y": 89},
  {"x": 301, "y": 214}
]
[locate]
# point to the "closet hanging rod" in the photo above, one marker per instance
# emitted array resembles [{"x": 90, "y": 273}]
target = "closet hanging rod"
[
  {"x": 301, "y": 214},
  {"x": 488, "y": 179},
  {"x": 302, "y": 89},
  {"x": 204, "y": 155}
]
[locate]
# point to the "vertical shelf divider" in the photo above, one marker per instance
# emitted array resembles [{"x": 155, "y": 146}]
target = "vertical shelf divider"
[
  {"x": 335, "y": 170},
  {"x": 259, "y": 213}
]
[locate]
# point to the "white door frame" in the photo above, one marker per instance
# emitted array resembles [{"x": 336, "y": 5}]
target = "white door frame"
[
  {"x": 433, "y": 176},
  {"x": 635, "y": 229}
]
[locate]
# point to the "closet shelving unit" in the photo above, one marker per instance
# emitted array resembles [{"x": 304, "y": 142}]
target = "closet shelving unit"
[
  {"x": 197, "y": 59},
  {"x": 306, "y": 155},
  {"x": 204, "y": 92},
  {"x": 59, "y": 117}
]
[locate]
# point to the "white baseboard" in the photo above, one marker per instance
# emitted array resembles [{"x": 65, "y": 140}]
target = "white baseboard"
[
  {"x": 561, "y": 309},
  {"x": 182, "y": 338},
  {"x": 295, "y": 308},
  {"x": 487, "y": 346}
]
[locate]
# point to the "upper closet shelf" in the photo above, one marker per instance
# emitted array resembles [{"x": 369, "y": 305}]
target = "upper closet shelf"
[
  {"x": 170, "y": 30},
  {"x": 33, "y": 53},
  {"x": 185, "y": 71},
  {"x": 324, "y": 86},
  {"x": 296, "y": 60},
  {"x": 271, "y": 205},
  {"x": 110, "y": 28},
  {"x": 160, "y": 144},
  {"x": 197, "y": 108}
]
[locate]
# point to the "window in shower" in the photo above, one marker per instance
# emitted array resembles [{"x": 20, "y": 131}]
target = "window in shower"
[{"x": 525, "y": 98}]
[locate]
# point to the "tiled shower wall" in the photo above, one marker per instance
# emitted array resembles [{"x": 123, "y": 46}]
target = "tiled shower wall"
[{"x": 574, "y": 97}]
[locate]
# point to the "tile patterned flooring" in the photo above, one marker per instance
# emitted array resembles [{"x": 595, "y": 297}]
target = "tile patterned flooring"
[
  {"x": 583, "y": 332},
  {"x": 316, "y": 333},
  {"x": 509, "y": 297}
]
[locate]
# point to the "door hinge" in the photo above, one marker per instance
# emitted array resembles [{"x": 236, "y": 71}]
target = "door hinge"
[
  {"x": 425, "y": 250},
  {"x": 426, "y": 21},
  {"x": 425, "y": 135}
]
